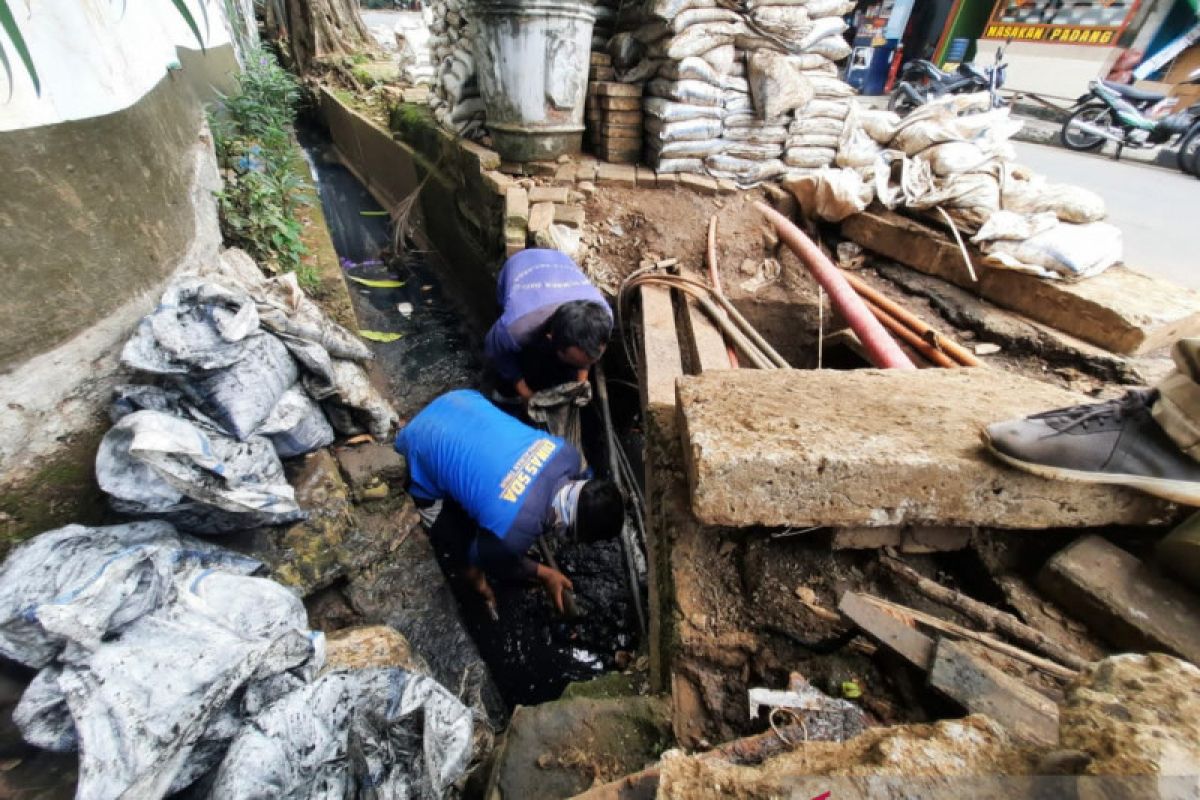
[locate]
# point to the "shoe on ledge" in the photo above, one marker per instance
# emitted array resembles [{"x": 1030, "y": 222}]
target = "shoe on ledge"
[{"x": 1117, "y": 442}]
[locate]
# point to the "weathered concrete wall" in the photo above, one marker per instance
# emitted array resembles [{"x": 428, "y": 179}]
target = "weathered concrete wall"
[
  {"x": 457, "y": 215},
  {"x": 96, "y": 215}
]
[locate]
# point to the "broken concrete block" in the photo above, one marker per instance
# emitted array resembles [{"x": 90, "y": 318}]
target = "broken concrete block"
[
  {"x": 619, "y": 174},
  {"x": 515, "y": 239},
  {"x": 369, "y": 646},
  {"x": 488, "y": 159},
  {"x": 929, "y": 539},
  {"x": 726, "y": 186},
  {"x": 666, "y": 179},
  {"x": 614, "y": 130},
  {"x": 548, "y": 194},
  {"x": 541, "y": 169},
  {"x": 565, "y": 174},
  {"x": 571, "y": 216},
  {"x": 623, "y": 117},
  {"x": 600, "y": 59},
  {"x": 1120, "y": 309},
  {"x": 368, "y": 465},
  {"x": 603, "y": 74},
  {"x": 698, "y": 183},
  {"x": 846, "y": 448},
  {"x": 619, "y": 155},
  {"x": 614, "y": 89},
  {"x": 645, "y": 177},
  {"x": 586, "y": 171},
  {"x": 516, "y": 206},
  {"x": 1122, "y": 599},
  {"x": 541, "y": 216},
  {"x": 497, "y": 182},
  {"x": 860, "y": 538}
]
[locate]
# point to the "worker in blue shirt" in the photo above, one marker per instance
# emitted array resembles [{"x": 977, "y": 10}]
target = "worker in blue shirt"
[
  {"x": 553, "y": 326},
  {"x": 487, "y": 486}
]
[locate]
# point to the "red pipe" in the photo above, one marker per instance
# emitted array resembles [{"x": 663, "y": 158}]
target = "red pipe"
[{"x": 881, "y": 347}]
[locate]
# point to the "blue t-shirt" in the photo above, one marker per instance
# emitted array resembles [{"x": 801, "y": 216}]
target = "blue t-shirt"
[
  {"x": 531, "y": 287},
  {"x": 501, "y": 471}
]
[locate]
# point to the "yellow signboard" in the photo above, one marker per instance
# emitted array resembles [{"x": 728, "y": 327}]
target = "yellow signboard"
[{"x": 1054, "y": 22}]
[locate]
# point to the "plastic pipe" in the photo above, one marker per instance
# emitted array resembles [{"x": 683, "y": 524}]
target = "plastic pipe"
[
  {"x": 715, "y": 276},
  {"x": 910, "y": 337},
  {"x": 912, "y": 321},
  {"x": 881, "y": 347}
]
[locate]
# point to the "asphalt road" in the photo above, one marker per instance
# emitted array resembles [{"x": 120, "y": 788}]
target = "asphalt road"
[{"x": 1157, "y": 209}]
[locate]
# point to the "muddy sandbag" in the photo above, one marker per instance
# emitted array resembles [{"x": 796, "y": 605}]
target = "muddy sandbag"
[
  {"x": 833, "y": 48},
  {"x": 737, "y": 104},
  {"x": 776, "y": 85},
  {"x": 683, "y": 130},
  {"x": 825, "y": 108},
  {"x": 367, "y": 408},
  {"x": 670, "y": 111},
  {"x": 702, "y": 16},
  {"x": 679, "y": 166},
  {"x": 77, "y": 584},
  {"x": 692, "y": 68},
  {"x": 697, "y": 93},
  {"x": 1068, "y": 203},
  {"x": 700, "y": 39},
  {"x": 829, "y": 87},
  {"x": 364, "y": 733},
  {"x": 1011, "y": 226},
  {"x": 953, "y": 157},
  {"x": 813, "y": 140},
  {"x": 296, "y": 425},
  {"x": 1065, "y": 251},
  {"x": 198, "y": 325},
  {"x": 746, "y": 172},
  {"x": 789, "y": 22},
  {"x": 758, "y": 151},
  {"x": 142, "y": 702},
  {"x": 759, "y": 133},
  {"x": 242, "y": 395},
  {"x": 151, "y": 463},
  {"x": 687, "y": 149},
  {"x": 723, "y": 58},
  {"x": 879, "y": 124},
  {"x": 831, "y": 194},
  {"x": 669, "y": 9},
  {"x": 822, "y": 126},
  {"x": 809, "y": 156}
]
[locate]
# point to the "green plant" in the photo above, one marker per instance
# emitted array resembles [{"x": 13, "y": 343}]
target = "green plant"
[{"x": 252, "y": 132}]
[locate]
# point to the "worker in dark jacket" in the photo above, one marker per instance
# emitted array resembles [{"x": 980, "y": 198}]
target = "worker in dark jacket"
[
  {"x": 488, "y": 485},
  {"x": 554, "y": 324}
]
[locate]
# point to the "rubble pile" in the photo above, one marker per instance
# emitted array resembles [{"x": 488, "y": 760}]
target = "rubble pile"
[
  {"x": 729, "y": 90},
  {"x": 455, "y": 97}
]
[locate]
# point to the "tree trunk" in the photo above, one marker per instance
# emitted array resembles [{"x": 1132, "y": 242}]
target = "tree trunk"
[{"x": 317, "y": 29}]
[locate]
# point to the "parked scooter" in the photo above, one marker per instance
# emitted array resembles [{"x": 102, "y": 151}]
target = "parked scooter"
[
  {"x": 1122, "y": 114},
  {"x": 922, "y": 81}
]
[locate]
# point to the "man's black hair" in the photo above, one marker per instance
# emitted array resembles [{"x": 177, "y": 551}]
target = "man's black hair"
[
  {"x": 601, "y": 511},
  {"x": 582, "y": 323}
]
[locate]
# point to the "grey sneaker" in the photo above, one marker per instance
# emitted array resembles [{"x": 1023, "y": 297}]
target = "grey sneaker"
[{"x": 1117, "y": 442}]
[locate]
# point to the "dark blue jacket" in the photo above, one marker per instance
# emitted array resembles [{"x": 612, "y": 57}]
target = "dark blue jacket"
[{"x": 502, "y": 472}]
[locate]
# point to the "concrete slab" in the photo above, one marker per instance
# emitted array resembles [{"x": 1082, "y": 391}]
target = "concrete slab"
[
  {"x": 877, "y": 448},
  {"x": 661, "y": 364},
  {"x": 1122, "y": 599},
  {"x": 1121, "y": 309}
]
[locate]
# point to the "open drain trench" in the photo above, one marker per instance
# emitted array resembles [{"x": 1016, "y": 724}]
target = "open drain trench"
[{"x": 532, "y": 652}]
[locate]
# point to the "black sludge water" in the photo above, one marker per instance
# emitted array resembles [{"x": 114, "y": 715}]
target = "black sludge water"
[{"x": 532, "y": 651}]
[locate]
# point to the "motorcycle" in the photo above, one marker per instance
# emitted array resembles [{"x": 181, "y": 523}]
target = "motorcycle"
[
  {"x": 1118, "y": 113},
  {"x": 922, "y": 81}
]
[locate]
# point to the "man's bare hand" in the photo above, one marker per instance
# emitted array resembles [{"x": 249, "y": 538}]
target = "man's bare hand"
[
  {"x": 479, "y": 582},
  {"x": 555, "y": 583},
  {"x": 523, "y": 390}
]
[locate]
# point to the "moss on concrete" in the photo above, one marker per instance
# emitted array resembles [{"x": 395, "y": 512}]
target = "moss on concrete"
[
  {"x": 612, "y": 685},
  {"x": 60, "y": 492}
]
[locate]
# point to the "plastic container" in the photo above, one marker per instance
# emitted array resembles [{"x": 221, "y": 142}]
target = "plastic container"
[{"x": 532, "y": 58}]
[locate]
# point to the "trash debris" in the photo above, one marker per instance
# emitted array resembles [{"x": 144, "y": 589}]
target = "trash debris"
[
  {"x": 405, "y": 309},
  {"x": 380, "y": 336},
  {"x": 823, "y": 717},
  {"x": 377, "y": 283},
  {"x": 163, "y": 661},
  {"x": 986, "y": 349}
]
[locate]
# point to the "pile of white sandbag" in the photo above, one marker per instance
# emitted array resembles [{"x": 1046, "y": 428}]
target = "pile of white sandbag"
[
  {"x": 728, "y": 87},
  {"x": 412, "y": 35},
  {"x": 952, "y": 161},
  {"x": 455, "y": 97}
]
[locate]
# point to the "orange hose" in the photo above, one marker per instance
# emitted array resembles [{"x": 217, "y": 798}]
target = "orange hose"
[
  {"x": 931, "y": 353},
  {"x": 912, "y": 321},
  {"x": 715, "y": 276}
]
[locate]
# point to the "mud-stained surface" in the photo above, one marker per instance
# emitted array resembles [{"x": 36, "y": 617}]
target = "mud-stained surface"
[{"x": 532, "y": 652}]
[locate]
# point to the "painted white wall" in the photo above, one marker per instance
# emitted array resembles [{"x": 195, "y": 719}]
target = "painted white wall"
[
  {"x": 1052, "y": 70},
  {"x": 94, "y": 57}
]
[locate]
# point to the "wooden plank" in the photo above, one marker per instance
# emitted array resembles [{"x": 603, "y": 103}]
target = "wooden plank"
[
  {"x": 891, "y": 630},
  {"x": 705, "y": 343},
  {"x": 661, "y": 362},
  {"x": 1121, "y": 309},
  {"x": 983, "y": 689}
]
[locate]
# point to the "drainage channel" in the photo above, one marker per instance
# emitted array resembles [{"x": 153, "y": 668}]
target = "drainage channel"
[{"x": 532, "y": 652}]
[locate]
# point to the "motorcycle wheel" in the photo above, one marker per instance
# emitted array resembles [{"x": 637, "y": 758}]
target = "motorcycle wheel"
[
  {"x": 901, "y": 103},
  {"x": 1079, "y": 140},
  {"x": 1188, "y": 157}
]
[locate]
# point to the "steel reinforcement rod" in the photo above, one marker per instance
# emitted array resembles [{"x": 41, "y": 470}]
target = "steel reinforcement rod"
[{"x": 881, "y": 347}]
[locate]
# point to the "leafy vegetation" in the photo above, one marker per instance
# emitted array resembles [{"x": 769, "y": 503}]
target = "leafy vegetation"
[{"x": 263, "y": 186}]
